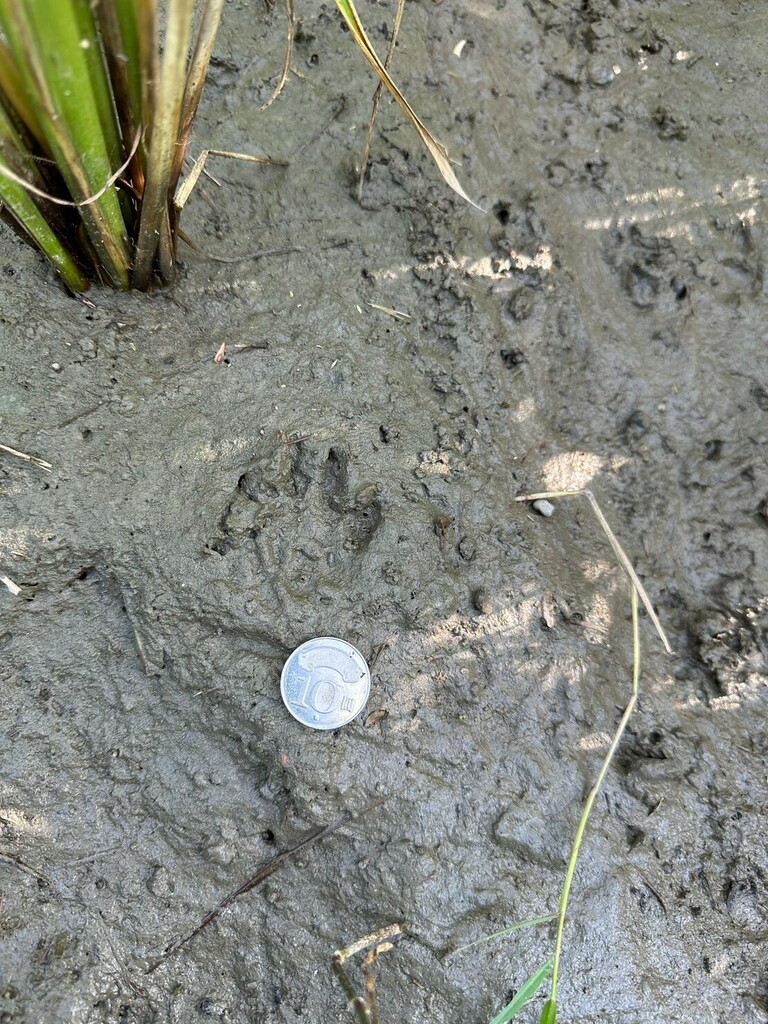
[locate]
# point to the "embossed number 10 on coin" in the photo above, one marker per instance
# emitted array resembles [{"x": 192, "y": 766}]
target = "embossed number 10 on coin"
[{"x": 325, "y": 683}]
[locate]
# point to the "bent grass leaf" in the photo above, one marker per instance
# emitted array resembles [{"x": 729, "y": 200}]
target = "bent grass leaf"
[
  {"x": 527, "y": 990},
  {"x": 436, "y": 149}
]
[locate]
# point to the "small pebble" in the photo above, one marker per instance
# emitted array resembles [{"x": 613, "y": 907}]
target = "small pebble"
[
  {"x": 544, "y": 507},
  {"x": 600, "y": 75},
  {"x": 56, "y": 367}
]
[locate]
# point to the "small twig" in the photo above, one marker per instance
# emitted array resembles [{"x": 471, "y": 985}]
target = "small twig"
[
  {"x": 28, "y": 458},
  {"x": 377, "y": 100},
  {"x": 261, "y": 876},
  {"x": 17, "y": 862},
  {"x": 90, "y": 857},
  {"x": 284, "y": 439},
  {"x": 258, "y": 254},
  {"x": 251, "y": 346},
  {"x": 14, "y": 588},
  {"x": 380, "y": 650},
  {"x": 383, "y": 935},
  {"x": 365, "y": 1009},
  {"x": 356, "y": 1003},
  {"x": 282, "y": 250},
  {"x": 370, "y": 985},
  {"x": 184, "y": 188},
  {"x": 396, "y": 313},
  {"x": 337, "y": 109},
  {"x": 289, "y": 5}
]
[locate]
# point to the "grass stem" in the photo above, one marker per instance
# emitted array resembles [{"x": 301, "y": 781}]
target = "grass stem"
[
  {"x": 153, "y": 223},
  {"x": 592, "y": 797}
]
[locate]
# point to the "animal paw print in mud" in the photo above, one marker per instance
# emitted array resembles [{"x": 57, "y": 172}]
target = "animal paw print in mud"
[{"x": 303, "y": 513}]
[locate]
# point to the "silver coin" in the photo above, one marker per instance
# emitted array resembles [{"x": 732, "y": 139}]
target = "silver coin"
[{"x": 325, "y": 683}]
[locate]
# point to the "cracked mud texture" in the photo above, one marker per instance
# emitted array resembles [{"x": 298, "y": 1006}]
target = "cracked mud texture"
[{"x": 602, "y": 324}]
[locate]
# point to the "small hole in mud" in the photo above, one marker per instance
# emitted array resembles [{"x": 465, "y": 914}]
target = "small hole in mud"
[
  {"x": 268, "y": 835},
  {"x": 501, "y": 213},
  {"x": 679, "y": 289},
  {"x": 713, "y": 449},
  {"x": 635, "y": 836},
  {"x": 314, "y": 60},
  {"x": 512, "y": 357},
  {"x": 87, "y": 434}
]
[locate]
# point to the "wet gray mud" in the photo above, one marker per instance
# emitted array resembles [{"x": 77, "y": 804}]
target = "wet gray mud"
[{"x": 602, "y": 324}]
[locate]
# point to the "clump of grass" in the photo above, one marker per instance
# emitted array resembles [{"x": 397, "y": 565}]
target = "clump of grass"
[
  {"x": 95, "y": 122},
  {"x": 88, "y": 102}
]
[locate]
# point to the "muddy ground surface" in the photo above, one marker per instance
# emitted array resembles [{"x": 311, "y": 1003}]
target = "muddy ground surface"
[{"x": 602, "y": 324}]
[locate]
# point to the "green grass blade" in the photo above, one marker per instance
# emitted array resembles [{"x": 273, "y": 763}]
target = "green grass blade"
[
  {"x": 528, "y": 989},
  {"x": 129, "y": 25},
  {"x": 21, "y": 206},
  {"x": 45, "y": 39},
  {"x": 169, "y": 97},
  {"x": 436, "y": 149},
  {"x": 14, "y": 97},
  {"x": 117, "y": 28},
  {"x": 549, "y": 1013},
  {"x": 94, "y": 60},
  {"x": 518, "y": 926},
  {"x": 149, "y": 55}
]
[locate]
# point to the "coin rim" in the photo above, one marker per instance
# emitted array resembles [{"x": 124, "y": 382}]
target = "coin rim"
[{"x": 307, "y": 643}]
